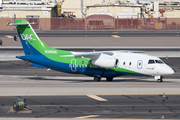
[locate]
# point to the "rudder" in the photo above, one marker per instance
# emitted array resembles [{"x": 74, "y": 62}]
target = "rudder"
[{"x": 29, "y": 38}]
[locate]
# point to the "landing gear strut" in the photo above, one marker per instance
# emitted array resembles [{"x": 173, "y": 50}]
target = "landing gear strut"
[
  {"x": 109, "y": 79},
  {"x": 97, "y": 79},
  {"x": 160, "y": 79}
]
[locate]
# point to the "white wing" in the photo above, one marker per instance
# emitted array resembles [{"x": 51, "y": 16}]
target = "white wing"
[{"x": 95, "y": 55}]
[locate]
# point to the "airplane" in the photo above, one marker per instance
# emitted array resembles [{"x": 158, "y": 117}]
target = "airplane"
[{"x": 98, "y": 64}]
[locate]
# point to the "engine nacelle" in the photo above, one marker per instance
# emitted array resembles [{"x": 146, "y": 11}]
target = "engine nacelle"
[{"x": 105, "y": 61}]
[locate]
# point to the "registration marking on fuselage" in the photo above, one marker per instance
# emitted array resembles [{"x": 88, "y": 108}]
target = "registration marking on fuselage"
[{"x": 97, "y": 98}]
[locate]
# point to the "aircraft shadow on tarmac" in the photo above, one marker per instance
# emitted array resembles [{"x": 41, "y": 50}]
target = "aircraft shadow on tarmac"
[{"x": 103, "y": 80}]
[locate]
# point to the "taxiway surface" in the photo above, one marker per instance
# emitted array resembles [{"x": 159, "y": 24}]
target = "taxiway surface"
[
  {"x": 101, "y": 41},
  {"x": 55, "y": 94},
  {"x": 79, "y": 107},
  {"x": 100, "y": 38}
]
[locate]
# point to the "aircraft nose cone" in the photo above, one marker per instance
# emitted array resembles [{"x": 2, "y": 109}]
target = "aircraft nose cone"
[
  {"x": 169, "y": 70},
  {"x": 165, "y": 70}
]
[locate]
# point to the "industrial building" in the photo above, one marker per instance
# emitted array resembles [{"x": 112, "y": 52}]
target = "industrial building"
[
  {"x": 124, "y": 8},
  {"x": 84, "y": 8},
  {"x": 94, "y": 14},
  {"x": 27, "y": 9}
]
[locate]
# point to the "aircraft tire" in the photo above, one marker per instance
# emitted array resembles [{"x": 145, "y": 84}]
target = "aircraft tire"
[
  {"x": 159, "y": 80},
  {"x": 97, "y": 79},
  {"x": 109, "y": 79}
]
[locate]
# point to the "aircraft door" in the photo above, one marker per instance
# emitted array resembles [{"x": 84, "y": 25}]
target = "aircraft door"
[
  {"x": 73, "y": 65},
  {"x": 139, "y": 64}
]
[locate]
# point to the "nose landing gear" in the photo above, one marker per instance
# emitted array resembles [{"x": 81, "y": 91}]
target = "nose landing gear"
[{"x": 159, "y": 79}]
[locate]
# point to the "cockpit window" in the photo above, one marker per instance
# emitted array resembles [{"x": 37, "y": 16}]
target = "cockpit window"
[
  {"x": 155, "y": 61},
  {"x": 159, "y": 61},
  {"x": 151, "y": 62}
]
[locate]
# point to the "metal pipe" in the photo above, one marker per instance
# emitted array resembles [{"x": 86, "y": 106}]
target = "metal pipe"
[{"x": 82, "y": 9}]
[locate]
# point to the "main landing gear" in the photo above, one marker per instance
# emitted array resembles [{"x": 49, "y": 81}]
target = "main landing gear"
[
  {"x": 160, "y": 80},
  {"x": 97, "y": 79}
]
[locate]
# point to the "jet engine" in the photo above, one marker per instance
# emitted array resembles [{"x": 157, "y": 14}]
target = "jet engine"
[{"x": 105, "y": 61}]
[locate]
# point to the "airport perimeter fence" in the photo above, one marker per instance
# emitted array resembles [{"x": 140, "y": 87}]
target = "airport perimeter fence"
[{"x": 124, "y": 24}]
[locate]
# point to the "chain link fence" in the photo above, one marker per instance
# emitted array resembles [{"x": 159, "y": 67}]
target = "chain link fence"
[{"x": 97, "y": 24}]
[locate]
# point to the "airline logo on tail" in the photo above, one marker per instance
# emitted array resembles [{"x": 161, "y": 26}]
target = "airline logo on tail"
[{"x": 26, "y": 37}]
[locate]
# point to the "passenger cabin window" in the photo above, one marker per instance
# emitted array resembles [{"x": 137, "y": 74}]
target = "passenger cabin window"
[
  {"x": 124, "y": 63},
  {"x": 151, "y": 62},
  {"x": 130, "y": 63}
]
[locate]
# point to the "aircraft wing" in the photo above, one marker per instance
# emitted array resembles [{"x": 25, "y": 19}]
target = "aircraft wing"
[
  {"x": 90, "y": 55},
  {"x": 95, "y": 55}
]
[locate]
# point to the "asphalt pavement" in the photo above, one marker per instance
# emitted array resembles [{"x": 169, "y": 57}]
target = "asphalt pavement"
[
  {"x": 55, "y": 94},
  {"x": 55, "y": 33},
  {"x": 113, "y": 106}
]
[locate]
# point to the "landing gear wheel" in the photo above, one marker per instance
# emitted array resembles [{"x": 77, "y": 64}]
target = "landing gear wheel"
[
  {"x": 97, "y": 79},
  {"x": 109, "y": 79},
  {"x": 159, "y": 80}
]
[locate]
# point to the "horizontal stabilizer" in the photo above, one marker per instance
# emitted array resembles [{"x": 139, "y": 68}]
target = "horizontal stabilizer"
[
  {"x": 37, "y": 65},
  {"x": 15, "y": 24}
]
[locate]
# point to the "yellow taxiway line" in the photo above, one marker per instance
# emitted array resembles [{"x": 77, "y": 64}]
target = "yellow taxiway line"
[
  {"x": 116, "y": 36},
  {"x": 9, "y": 36},
  {"x": 85, "y": 117},
  {"x": 97, "y": 98}
]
